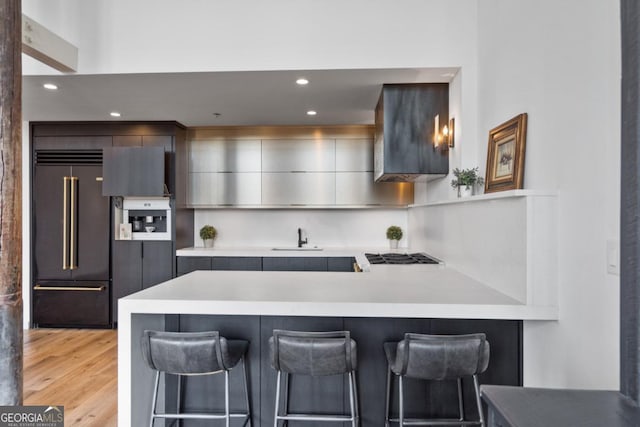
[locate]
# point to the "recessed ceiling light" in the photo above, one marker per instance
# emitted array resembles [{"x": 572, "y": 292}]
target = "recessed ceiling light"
[
  {"x": 302, "y": 81},
  {"x": 311, "y": 113},
  {"x": 115, "y": 114},
  {"x": 50, "y": 86}
]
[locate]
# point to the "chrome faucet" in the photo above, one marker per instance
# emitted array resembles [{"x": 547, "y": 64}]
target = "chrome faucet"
[{"x": 300, "y": 241}]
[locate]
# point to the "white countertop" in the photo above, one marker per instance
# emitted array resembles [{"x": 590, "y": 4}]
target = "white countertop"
[{"x": 420, "y": 291}]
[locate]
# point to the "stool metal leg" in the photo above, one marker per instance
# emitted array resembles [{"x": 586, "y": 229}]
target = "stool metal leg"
[
  {"x": 388, "y": 398},
  {"x": 355, "y": 393},
  {"x": 460, "y": 400},
  {"x": 478, "y": 402},
  {"x": 285, "y": 385},
  {"x": 179, "y": 400},
  {"x": 154, "y": 398},
  {"x": 276, "y": 413},
  {"x": 351, "y": 400},
  {"x": 226, "y": 398},
  {"x": 401, "y": 401},
  {"x": 246, "y": 392}
]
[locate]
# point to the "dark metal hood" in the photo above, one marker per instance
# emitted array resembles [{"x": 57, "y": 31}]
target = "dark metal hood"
[{"x": 404, "y": 148}]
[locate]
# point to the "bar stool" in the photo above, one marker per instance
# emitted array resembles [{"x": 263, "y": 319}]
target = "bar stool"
[
  {"x": 194, "y": 353},
  {"x": 313, "y": 354},
  {"x": 436, "y": 357}
]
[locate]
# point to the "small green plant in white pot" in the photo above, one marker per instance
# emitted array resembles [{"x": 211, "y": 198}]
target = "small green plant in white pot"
[
  {"x": 394, "y": 234},
  {"x": 207, "y": 234},
  {"x": 465, "y": 180}
]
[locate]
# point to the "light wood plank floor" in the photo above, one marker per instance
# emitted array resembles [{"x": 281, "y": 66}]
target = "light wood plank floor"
[{"x": 76, "y": 369}]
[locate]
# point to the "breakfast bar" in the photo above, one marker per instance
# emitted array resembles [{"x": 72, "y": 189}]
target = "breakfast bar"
[{"x": 376, "y": 306}]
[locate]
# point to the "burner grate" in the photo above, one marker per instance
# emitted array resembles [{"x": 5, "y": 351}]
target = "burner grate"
[{"x": 394, "y": 258}]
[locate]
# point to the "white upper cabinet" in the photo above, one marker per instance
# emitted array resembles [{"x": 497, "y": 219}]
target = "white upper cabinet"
[
  {"x": 354, "y": 155},
  {"x": 297, "y": 155},
  {"x": 225, "y": 156}
]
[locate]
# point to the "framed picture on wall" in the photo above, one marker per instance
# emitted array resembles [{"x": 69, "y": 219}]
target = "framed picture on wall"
[{"x": 505, "y": 157}]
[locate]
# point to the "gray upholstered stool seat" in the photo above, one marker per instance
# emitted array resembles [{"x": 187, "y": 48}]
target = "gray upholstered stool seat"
[
  {"x": 313, "y": 354},
  {"x": 194, "y": 353},
  {"x": 436, "y": 357}
]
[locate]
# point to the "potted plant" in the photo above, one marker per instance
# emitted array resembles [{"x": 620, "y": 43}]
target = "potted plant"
[
  {"x": 465, "y": 180},
  {"x": 394, "y": 234},
  {"x": 207, "y": 234}
]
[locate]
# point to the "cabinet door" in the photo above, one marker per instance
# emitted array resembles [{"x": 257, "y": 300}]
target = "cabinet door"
[
  {"x": 359, "y": 188},
  {"x": 48, "y": 203},
  {"x": 225, "y": 156},
  {"x": 291, "y": 155},
  {"x": 187, "y": 264},
  {"x": 233, "y": 188},
  {"x": 354, "y": 155},
  {"x": 157, "y": 262},
  {"x": 126, "y": 270},
  {"x": 237, "y": 263},
  {"x": 314, "y": 188},
  {"x": 340, "y": 264},
  {"x": 133, "y": 171}
]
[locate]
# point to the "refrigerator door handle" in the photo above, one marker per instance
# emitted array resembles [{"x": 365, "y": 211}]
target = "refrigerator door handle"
[
  {"x": 72, "y": 239},
  {"x": 70, "y": 288},
  {"x": 65, "y": 184}
]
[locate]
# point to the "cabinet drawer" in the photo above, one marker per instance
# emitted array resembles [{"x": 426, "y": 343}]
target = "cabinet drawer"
[
  {"x": 237, "y": 263},
  {"x": 71, "y": 304},
  {"x": 187, "y": 264},
  {"x": 340, "y": 264},
  {"x": 294, "y": 264}
]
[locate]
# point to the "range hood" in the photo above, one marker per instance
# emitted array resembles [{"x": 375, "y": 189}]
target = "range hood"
[{"x": 404, "y": 149}]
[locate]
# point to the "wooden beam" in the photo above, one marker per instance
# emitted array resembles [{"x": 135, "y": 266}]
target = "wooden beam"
[
  {"x": 10, "y": 204},
  {"x": 47, "y": 47}
]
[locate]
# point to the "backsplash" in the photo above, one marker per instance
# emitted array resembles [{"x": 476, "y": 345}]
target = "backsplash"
[{"x": 323, "y": 227}]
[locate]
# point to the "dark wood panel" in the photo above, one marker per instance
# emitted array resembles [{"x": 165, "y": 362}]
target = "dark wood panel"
[
  {"x": 96, "y": 128},
  {"x": 127, "y": 141},
  {"x": 187, "y": 264},
  {"x": 72, "y": 308},
  {"x": 157, "y": 262},
  {"x": 71, "y": 142},
  {"x": 164, "y": 141},
  {"x": 237, "y": 263}
]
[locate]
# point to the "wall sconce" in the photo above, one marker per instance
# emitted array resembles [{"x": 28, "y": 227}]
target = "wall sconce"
[{"x": 446, "y": 135}]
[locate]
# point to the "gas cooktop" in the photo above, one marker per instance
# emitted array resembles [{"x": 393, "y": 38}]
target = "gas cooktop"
[{"x": 395, "y": 258}]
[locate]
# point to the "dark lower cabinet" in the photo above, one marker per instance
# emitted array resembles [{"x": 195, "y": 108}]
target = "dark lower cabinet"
[
  {"x": 340, "y": 264},
  {"x": 187, "y": 264},
  {"x": 237, "y": 263},
  {"x": 294, "y": 264},
  {"x": 138, "y": 265},
  {"x": 325, "y": 394}
]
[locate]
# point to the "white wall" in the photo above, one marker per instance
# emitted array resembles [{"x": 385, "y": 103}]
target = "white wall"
[
  {"x": 559, "y": 61},
  {"x": 278, "y": 227}
]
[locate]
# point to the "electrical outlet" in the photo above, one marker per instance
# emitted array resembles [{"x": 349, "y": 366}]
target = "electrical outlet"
[{"x": 613, "y": 257}]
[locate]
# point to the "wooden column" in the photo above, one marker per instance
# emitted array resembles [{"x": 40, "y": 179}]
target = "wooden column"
[
  {"x": 629, "y": 203},
  {"x": 10, "y": 203}
]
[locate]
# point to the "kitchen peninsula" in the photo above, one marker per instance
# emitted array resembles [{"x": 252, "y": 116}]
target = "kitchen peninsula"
[{"x": 376, "y": 306}]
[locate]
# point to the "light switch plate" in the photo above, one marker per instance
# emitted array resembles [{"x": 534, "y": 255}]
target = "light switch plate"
[{"x": 613, "y": 257}]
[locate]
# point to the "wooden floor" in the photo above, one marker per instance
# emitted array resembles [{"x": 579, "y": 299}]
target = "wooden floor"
[{"x": 73, "y": 368}]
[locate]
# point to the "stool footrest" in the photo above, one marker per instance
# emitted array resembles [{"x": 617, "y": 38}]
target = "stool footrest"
[
  {"x": 435, "y": 422},
  {"x": 215, "y": 416},
  {"x": 313, "y": 417}
]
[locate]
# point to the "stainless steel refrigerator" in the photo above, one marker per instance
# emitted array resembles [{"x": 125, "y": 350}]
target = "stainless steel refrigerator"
[{"x": 70, "y": 235}]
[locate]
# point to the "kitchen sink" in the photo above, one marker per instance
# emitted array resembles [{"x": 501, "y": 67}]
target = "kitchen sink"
[{"x": 295, "y": 248}]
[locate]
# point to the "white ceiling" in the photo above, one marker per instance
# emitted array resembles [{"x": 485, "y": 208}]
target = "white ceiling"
[{"x": 242, "y": 98}]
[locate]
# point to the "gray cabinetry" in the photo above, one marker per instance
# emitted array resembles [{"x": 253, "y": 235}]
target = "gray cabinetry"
[
  {"x": 187, "y": 264},
  {"x": 294, "y": 264},
  {"x": 133, "y": 171},
  {"x": 340, "y": 264},
  {"x": 237, "y": 263}
]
